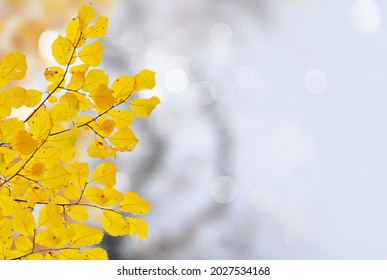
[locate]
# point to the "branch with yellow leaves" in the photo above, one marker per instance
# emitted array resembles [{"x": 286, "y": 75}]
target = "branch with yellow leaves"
[{"x": 38, "y": 156}]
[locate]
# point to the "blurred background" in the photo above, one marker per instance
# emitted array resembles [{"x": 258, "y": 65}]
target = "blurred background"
[{"x": 270, "y": 139}]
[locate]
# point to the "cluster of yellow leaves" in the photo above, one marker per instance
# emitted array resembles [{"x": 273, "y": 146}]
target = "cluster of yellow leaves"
[{"x": 45, "y": 192}]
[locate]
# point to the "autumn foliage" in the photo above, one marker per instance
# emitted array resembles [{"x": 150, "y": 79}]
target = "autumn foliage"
[{"x": 46, "y": 193}]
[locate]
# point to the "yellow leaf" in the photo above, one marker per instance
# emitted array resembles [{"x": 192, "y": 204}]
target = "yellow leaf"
[
  {"x": 33, "y": 98},
  {"x": 134, "y": 204},
  {"x": 137, "y": 226},
  {"x": 8, "y": 155},
  {"x": 63, "y": 51},
  {"x": 19, "y": 186},
  {"x": 105, "y": 174},
  {"x": 79, "y": 173},
  {"x": 64, "y": 233},
  {"x": 49, "y": 155},
  {"x": 85, "y": 235},
  {"x": 84, "y": 102},
  {"x": 23, "y": 243},
  {"x": 39, "y": 124},
  {"x": 55, "y": 178},
  {"x": 96, "y": 254},
  {"x": 24, "y": 222},
  {"x": 71, "y": 254},
  {"x": 73, "y": 30},
  {"x": 12, "y": 168},
  {"x": 98, "y": 149},
  {"x": 91, "y": 54},
  {"x": 113, "y": 196},
  {"x": 124, "y": 139},
  {"x": 83, "y": 121},
  {"x": 114, "y": 224},
  {"x": 94, "y": 78},
  {"x": 143, "y": 107},
  {"x": 97, "y": 30},
  {"x": 79, "y": 68},
  {"x": 37, "y": 171},
  {"x": 5, "y": 105},
  {"x": 50, "y": 216},
  {"x": 53, "y": 255},
  {"x": 48, "y": 238},
  {"x": 12, "y": 67},
  {"x": 54, "y": 74},
  {"x": 9, "y": 129},
  {"x": 7, "y": 205},
  {"x": 77, "y": 212},
  {"x": 102, "y": 97},
  {"x": 24, "y": 143},
  {"x": 59, "y": 113},
  {"x": 123, "y": 87},
  {"x": 77, "y": 80},
  {"x": 34, "y": 256},
  {"x": 59, "y": 200},
  {"x": 105, "y": 128},
  {"x": 104, "y": 197},
  {"x": 64, "y": 141},
  {"x": 145, "y": 80},
  {"x": 6, "y": 224},
  {"x": 14, "y": 254},
  {"x": 17, "y": 97},
  {"x": 95, "y": 195},
  {"x": 5, "y": 236},
  {"x": 122, "y": 118},
  {"x": 71, "y": 103},
  {"x": 72, "y": 192},
  {"x": 73, "y": 33},
  {"x": 85, "y": 15},
  {"x": 36, "y": 194},
  {"x": 52, "y": 99},
  {"x": 55, "y": 237}
]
